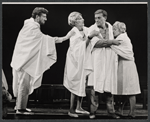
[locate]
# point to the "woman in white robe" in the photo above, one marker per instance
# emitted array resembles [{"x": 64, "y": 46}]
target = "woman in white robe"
[
  {"x": 128, "y": 80},
  {"x": 77, "y": 62}
]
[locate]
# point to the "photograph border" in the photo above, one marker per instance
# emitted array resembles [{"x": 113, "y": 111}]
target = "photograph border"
[{"x": 81, "y": 2}]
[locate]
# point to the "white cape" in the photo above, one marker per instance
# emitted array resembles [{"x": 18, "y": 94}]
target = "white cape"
[
  {"x": 78, "y": 64},
  {"x": 105, "y": 61},
  {"x": 34, "y": 53}
]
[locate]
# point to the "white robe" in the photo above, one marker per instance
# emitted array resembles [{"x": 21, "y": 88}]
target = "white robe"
[
  {"x": 34, "y": 53},
  {"x": 77, "y": 64},
  {"x": 105, "y": 61},
  {"x": 128, "y": 80}
]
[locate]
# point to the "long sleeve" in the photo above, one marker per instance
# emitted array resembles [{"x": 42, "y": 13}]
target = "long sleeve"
[{"x": 103, "y": 43}]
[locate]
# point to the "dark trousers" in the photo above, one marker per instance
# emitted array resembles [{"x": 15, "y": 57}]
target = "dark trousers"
[{"x": 94, "y": 102}]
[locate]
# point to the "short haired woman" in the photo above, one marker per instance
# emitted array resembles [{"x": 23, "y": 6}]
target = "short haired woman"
[
  {"x": 128, "y": 80},
  {"x": 75, "y": 69}
]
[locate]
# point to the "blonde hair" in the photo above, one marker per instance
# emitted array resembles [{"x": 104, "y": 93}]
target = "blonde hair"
[
  {"x": 121, "y": 26},
  {"x": 72, "y": 18}
]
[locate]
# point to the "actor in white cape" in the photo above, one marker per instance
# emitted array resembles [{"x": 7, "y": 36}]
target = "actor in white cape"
[
  {"x": 128, "y": 80},
  {"x": 105, "y": 62},
  {"x": 78, "y": 62},
  {"x": 34, "y": 53}
]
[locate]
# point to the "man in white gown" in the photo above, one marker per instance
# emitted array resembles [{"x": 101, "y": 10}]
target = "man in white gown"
[
  {"x": 104, "y": 62},
  {"x": 34, "y": 53}
]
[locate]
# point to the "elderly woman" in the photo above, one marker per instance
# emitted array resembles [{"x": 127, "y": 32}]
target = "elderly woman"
[
  {"x": 128, "y": 80},
  {"x": 78, "y": 64}
]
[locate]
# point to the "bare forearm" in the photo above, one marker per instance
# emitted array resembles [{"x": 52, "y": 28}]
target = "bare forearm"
[{"x": 61, "y": 39}]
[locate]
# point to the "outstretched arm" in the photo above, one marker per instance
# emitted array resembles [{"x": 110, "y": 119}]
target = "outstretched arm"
[{"x": 64, "y": 38}]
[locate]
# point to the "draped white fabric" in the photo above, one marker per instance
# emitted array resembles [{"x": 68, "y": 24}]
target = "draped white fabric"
[
  {"x": 128, "y": 80},
  {"x": 125, "y": 49},
  {"x": 105, "y": 61},
  {"x": 34, "y": 53},
  {"x": 78, "y": 63}
]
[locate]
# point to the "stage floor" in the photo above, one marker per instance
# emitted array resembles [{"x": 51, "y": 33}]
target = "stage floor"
[{"x": 62, "y": 113}]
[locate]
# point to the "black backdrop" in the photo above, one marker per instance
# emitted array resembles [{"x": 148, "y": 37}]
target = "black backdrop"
[{"x": 133, "y": 15}]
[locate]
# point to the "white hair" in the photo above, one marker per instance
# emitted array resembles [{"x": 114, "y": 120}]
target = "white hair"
[
  {"x": 120, "y": 25},
  {"x": 72, "y": 18}
]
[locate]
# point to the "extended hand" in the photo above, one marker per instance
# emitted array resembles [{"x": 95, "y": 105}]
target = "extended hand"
[{"x": 56, "y": 39}]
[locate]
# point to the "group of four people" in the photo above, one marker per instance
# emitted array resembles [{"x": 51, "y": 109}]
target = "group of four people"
[{"x": 94, "y": 58}]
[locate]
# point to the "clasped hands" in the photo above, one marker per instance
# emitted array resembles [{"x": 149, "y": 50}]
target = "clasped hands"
[{"x": 58, "y": 39}]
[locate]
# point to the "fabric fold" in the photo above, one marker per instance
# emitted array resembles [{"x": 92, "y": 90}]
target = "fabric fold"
[
  {"x": 125, "y": 49},
  {"x": 104, "y": 61},
  {"x": 127, "y": 77},
  {"x": 34, "y": 53},
  {"x": 77, "y": 64}
]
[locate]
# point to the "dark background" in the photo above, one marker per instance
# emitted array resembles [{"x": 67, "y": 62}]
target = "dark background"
[{"x": 133, "y": 15}]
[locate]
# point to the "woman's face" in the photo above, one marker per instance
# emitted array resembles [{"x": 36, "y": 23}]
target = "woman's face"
[
  {"x": 79, "y": 21},
  {"x": 116, "y": 31}
]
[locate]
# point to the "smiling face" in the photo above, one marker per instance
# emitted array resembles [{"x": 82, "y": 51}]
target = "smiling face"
[
  {"x": 42, "y": 18},
  {"x": 100, "y": 19},
  {"x": 79, "y": 21}
]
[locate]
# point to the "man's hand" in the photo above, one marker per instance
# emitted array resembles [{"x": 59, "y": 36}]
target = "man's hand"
[
  {"x": 94, "y": 33},
  {"x": 116, "y": 42}
]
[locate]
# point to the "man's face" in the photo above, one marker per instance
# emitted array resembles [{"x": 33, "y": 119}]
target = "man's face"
[
  {"x": 42, "y": 19},
  {"x": 99, "y": 19}
]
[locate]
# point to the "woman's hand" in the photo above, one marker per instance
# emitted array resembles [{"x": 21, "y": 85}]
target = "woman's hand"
[{"x": 58, "y": 40}]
